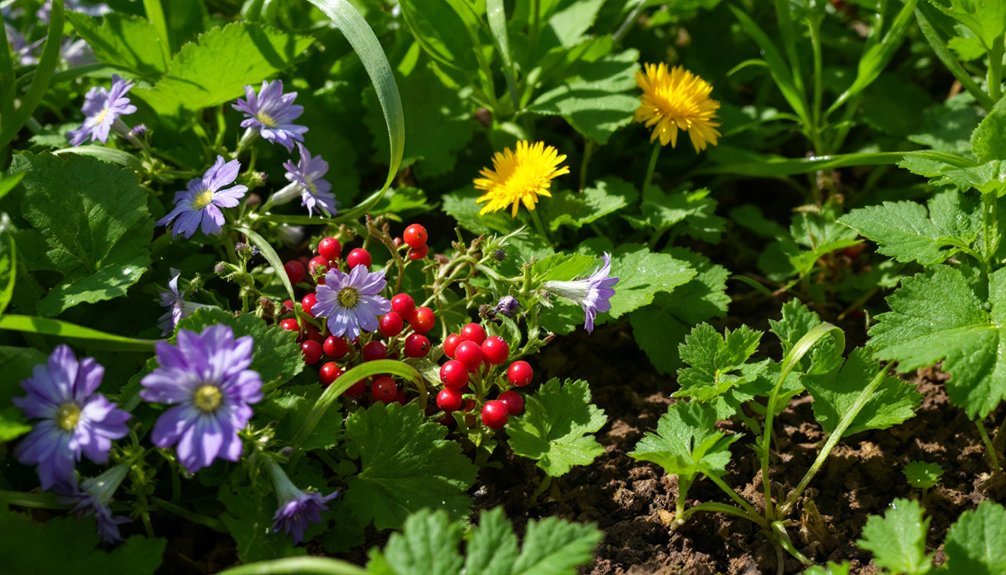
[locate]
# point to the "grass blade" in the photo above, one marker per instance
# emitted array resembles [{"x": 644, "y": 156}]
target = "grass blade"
[{"x": 47, "y": 326}]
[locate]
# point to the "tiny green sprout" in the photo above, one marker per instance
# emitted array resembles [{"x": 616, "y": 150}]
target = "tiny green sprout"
[{"x": 923, "y": 475}]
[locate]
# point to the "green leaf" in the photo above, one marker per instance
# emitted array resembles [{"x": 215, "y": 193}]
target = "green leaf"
[
  {"x": 100, "y": 242},
  {"x": 974, "y": 544},
  {"x": 907, "y": 233},
  {"x": 46, "y": 548},
  {"x": 595, "y": 100},
  {"x": 898, "y": 539},
  {"x": 938, "y": 316},
  {"x": 406, "y": 465},
  {"x": 277, "y": 356},
  {"x": 126, "y": 42},
  {"x": 717, "y": 369},
  {"x": 571, "y": 23},
  {"x": 796, "y": 321},
  {"x": 12, "y": 424},
  {"x": 553, "y": 546},
  {"x": 988, "y": 142},
  {"x": 985, "y": 18},
  {"x": 836, "y": 394},
  {"x": 557, "y": 427},
  {"x": 922, "y": 474},
  {"x": 576, "y": 210},
  {"x": 492, "y": 548},
  {"x": 687, "y": 442},
  {"x": 563, "y": 267},
  {"x": 695, "y": 209},
  {"x": 831, "y": 568},
  {"x": 428, "y": 544},
  {"x": 215, "y": 69},
  {"x": 446, "y": 30},
  {"x": 62, "y": 329},
  {"x": 643, "y": 274},
  {"x": 461, "y": 206},
  {"x": 8, "y": 262}
]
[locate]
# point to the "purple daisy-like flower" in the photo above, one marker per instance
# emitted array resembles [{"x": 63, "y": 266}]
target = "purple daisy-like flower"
[
  {"x": 351, "y": 302},
  {"x": 306, "y": 177},
  {"x": 73, "y": 418},
  {"x": 178, "y": 308},
  {"x": 207, "y": 381},
  {"x": 199, "y": 205},
  {"x": 297, "y": 509},
  {"x": 93, "y": 499},
  {"x": 271, "y": 113},
  {"x": 592, "y": 293},
  {"x": 102, "y": 109}
]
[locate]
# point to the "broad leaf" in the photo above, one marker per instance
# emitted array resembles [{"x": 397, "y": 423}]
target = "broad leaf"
[
  {"x": 642, "y": 275},
  {"x": 557, "y": 427},
  {"x": 687, "y": 442},
  {"x": 577, "y": 209},
  {"x": 428, "y": 544},
  {"x": 126, "y": 42},
  {"x": 974, "y": 544},
  {"x": 922, "y": 474},
  {"x": 492, "y": 548},
  {"x": 898, "y": 539},
  {"x": 717, "y": 371}
]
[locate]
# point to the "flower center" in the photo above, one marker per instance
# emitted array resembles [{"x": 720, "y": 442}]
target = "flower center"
[
  {"x": 67, "y": 416},
  {"x": 207, "y": 398},
  {"x": 266, "y": 120},
  {"x": 202, "y": 199},
  {"x": 348, "y": 297}
]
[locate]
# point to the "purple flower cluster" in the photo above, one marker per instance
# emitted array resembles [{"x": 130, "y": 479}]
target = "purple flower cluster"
[
  {"x": 351, "y": 302},
  {"x": 102, "y": 110},
  {"x": 198, "y": 207},
  {"x": 592, "y": 293}
]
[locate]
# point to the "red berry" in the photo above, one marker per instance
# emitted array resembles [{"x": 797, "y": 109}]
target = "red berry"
[
  {"x": 449, "y": 399},
  {"x": 330, "y": 249},
  {"x": 403, "y": 305},
  {"x": 317, "y": 265},
  {"x": 520, "y": 373},
  {"x": 358, "y": 257},
  {"x": 417, "y": 345},
  {"x": 384, "y": 389},
  {"x": 307, "y": 302},
  {"x": 287, "y": 306},
  {"x": 513, "y": 401},
  {"x": 311, "y": 332},
  {"x": 454, "y": 374},
  {"x": 336, "y": 347},
  {"x": 312, "y": 351},
  {"x": 400, "y": 397},
  {"x": 289, "y": 324},
  {"x": 357, "y": 389},
  {"x": 423, "y": 319},
  {"x": 495, "y": 350},
  {"x": 374, "y": 350},
  {"x": 470, "y": 354},
  {"x": 295, "y": 271},
  {"x": 415, "y": 236},
  {"x": 329, "y": 372},
  {"x": 451, "y": 344},
  {"x": 495, "y": 414},
  {"x": 418, "y": 253},
  {"x": 473, "y": 332},
  {"x": 391, "y": 324}
]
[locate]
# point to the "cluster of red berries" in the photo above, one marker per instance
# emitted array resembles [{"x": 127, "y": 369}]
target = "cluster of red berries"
[
  {"x": 472, "y": 353},
  {"x": 404, "y": 328},
  {"x": 415, "y": 237}
]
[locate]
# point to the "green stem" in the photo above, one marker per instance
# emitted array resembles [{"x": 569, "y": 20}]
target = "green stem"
[
  {"x": 783, "y": 537},
  {"x": 993, "y": 458},
  {"x": 815, "y": 38},
  {"x": 995, "y": 72},
  {"x": 833, "y": 439},
  {"x": 214, "y": 524},
  {"x": 713, "y": 507},
  {"x": 540, "y": 226},
  {"x": 588, "y": 151},
  {"x": 990, "y": 225},
  {"x": 734, "y": 495},
  {"x": 31, "y": 500},
  {"x": 651, "y": 167},
  {"x": 629, "y": 21}
]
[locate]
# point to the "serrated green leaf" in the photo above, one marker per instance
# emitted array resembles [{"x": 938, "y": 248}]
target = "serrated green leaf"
[
  {"x": 988, "y": 142},
  {"x": 907, "y": 231},
  {"x": 100, "y": 242},
  {"x": 974, "y": 544},
  {"x": 406, "y": 465},
  {"x": 922, "y": 474},
  {"x": 985, "y": 18},
  {"x": 277, "y": 357},
  {"x": 553, "y": 546},
  {"x": 576, "y": 210},
  {"x": 938, "y": 316},
  {"x": 692, "y": 208},
  {"x": 461, "y": 206},
  {"x": 215, "y": 69},
  {"x": 987, "y": 178},
  {"x": 898, "y": 539},
  {"x": 492, "y": 548},
  {"x": 718, "y": 372},
  {"x": 124, "y": 41},
  {"x": 427, "y": 544},
  {"x": 557, "y": 427},
  {"x": 643, "y": 274},
  {"x": 686, "y": 442},
  {"x": 835, "y": 395}
]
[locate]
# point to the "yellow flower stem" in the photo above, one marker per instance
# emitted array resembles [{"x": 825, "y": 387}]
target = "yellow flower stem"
[
  {"x": 540, "y": 225},
  {"x": 651, "y": 166},
  {"x": 588, "y": 151}
]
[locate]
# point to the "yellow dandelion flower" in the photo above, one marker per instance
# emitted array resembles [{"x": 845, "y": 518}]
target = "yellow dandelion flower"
[
  {"x": 677, "y": 100},
  {"x": 519, "y": 176}
]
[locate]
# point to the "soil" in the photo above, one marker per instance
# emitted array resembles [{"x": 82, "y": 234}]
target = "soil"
[{"x": 632, "y": 502}]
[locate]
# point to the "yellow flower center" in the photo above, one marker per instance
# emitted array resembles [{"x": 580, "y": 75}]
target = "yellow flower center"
[
  {"x": 348, "y": 297},
  {"x": 100, "y": 116},
  {"x": 266, "y": 120},
  {"x": 67, "y": 416},
  {"x": 202, "y": 199},
  {"x": 519, "y": 177},
  {"x": 207, "y": 398}
]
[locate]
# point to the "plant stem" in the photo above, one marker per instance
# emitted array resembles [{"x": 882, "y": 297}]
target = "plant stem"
[
  {"x": 815, "y": 39},
  {"x": 588, "y": 152},
  {"x": 651, "y": 167},
  {"x": 733, "y": 495},
  {"x": 995, "y": 72},
  {"x": 214, "y": 524},
  {"x": 540, "y": 226},
  {"x": 993, "y": 458},
  {"x": 630, "y": 20}
]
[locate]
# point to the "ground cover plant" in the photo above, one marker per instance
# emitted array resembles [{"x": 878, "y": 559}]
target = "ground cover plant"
[{"x": 502, "y": 286}]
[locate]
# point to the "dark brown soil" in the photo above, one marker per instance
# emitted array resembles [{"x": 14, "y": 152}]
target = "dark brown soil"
[{"x": 633, "y": 502}]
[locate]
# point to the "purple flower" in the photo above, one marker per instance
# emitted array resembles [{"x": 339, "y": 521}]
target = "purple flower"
[
  {"x": 23, "y": 51},
  {"x": 591, "y": 293},
  {"x": 306, "y": 177},
  {"x": 98, "y": 9},
  {"x": 207, "y": 380},
  {"x": 296, "y": 508},
  {"x": 76, "y": 52},
  {"x": 271, "y": 113},
  {"x": 102, "y": 108},
  {"x": 74, "y": 419},
  {"x": 351, "y": 302},
  {"x": 178, "y": 308},
  {"x": 507, "y": 305},
  {"x": 199, "y": 205},
  {"x": 94, "y": 498}
]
